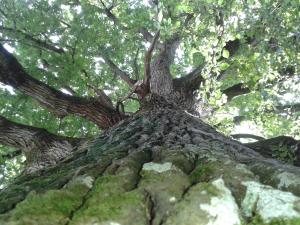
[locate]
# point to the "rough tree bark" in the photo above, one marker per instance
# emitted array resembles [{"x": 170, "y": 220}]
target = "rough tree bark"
[
  {"x": 40, "y": 147},
  {"x": 100, "y": 111},
  {"x": 160, "y": 166}
]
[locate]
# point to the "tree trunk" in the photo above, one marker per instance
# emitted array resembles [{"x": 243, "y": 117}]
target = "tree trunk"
[{"x": 158, "y": 167}]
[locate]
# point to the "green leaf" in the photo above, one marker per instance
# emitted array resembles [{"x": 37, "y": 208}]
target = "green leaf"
[
  {"x": 225, "y": 53},
  {"x": 224, "y": 66},
  {"x": 198, "y": 59}
]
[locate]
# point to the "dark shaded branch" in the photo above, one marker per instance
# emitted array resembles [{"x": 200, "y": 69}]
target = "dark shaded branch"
[
  {"x": 108, "y": 13},
  {"x": 191, "y": 81},
  {"x": 13, "y": 74},
  {"x": 252, "y": 136},
  {"x": 235, "y": 90},
  {"x": 39, "y": 43},
  {"x": 274, "y": 147},
  {"x": 115, "y": 69},
  {"x": 291, "y": 107},
  {"x": 40, "y": 147}
]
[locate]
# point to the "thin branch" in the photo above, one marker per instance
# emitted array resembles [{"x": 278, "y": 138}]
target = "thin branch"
[
  {"x": 101, "y": 94},
  {"x": 65, "y": 23},
  {"x": 137, "y": 88},
  {"x": 42, "y": 44},
  {"x": 115, "y": 69},
  {"x": 108, "y": 13}
]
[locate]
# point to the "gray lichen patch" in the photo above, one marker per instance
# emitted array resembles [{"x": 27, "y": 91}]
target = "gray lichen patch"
[
  {"x": 206, "y": 203},
  {"x": 222, "y": 209},
  {"x": 268, "y": 203},
  {"x": 243, "y": 168},
  {"x": 158, "y": 167},
  {"x": 276, "y": 177},
  {"x": 231, "y": 172},
  {"x": 83, "y": 179},
  {"x": 182, "y": 159},
  {"x": 287, "y": 180}
]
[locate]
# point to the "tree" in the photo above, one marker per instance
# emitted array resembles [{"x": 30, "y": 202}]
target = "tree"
[{"x": 154, "y": 78}]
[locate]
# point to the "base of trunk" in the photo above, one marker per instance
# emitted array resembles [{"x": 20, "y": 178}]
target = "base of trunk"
[{"x": 159, "y": 167}]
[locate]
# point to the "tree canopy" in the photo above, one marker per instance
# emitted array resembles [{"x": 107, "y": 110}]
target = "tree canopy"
[{"x": 86, "y": 50}]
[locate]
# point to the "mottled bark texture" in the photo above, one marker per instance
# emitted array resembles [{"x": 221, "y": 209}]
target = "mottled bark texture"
[
  {"x": 158, "y": 167},
  {"x": 98, "y": 111},
  {"x": 40, "y": 147}
]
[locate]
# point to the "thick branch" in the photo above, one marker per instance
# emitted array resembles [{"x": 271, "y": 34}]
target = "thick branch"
[
  {"x": 191, "y": 81},
  {"x": 40, "y": 147},
  {"x": 252, "y": 136},
  {"x": 235, "y": 90},
  {"x": 291, "y": 107},
  {"x": 161, "y": 82},
  {"x": 28, "y": 37},
  {"x": 275, "y": 147},
  {"x": 13, "y": 74}
]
